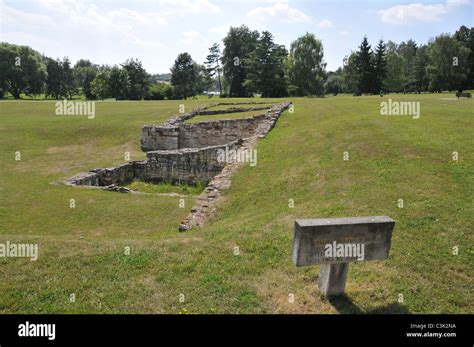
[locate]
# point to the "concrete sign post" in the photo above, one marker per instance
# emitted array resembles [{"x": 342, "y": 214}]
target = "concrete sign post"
[{"x": 334, "y": 242}]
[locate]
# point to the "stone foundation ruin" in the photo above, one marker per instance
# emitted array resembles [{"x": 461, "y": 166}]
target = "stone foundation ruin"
[{"x": 188, "y": 153}]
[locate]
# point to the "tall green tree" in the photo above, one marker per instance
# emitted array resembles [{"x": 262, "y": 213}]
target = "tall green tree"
[
  {"x": 394, "y": 81},
  {"x": 380, "y": 66},
  {"x": 266, "y": 68},
  {"x": 465, "y": 35},
  {"x": 138, "y": 79},
  {"x": 420, "y": 74},
  {"x": 365, "y": 67},
  {"x": 350, "y": 73},
  {"x": 213, "y": 64},
  {"x": 60, "y": 80},
  {"x": 119, "y": 83},
  {"x": 100, "y": 85},
  {"x": 447, "y": 68},
  {"x": 183, "y": 75},
  {"x": 84, "y": 73},
  {"x": 22, "y": 70},
  {"x": 305, "y": 65},
  {"x": 239, "y": 43}
]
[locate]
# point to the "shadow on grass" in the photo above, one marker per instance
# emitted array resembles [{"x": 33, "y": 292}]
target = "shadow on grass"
[{"x": 344, "y": 304}]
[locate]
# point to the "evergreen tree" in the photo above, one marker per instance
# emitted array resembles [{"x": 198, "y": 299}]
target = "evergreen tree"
[
  {"x": 365, "y": 68},
  {"x": 183, "y": 76},
  {"x": 266, "y": 69},
  {"x": 212, "y": 64},
  {"x": 380, "y": 66}
]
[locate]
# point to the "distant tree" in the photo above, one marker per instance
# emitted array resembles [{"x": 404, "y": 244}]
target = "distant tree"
[
  {"x": 89, "y": 75},
  {"x": 305, "y": 66},
  {"x": 159, "y": 91},
  {"x": 100, "y": 85},
  {"x": 447, "y": 68},
  {"x": 67, "y": 84},
  {"x": 380, "y": 66},
  {"x": 60, "y": 80},
  {"x": 213, "y": 65},
  {"x": 407, "y": 51},
  {"x": 266, "y": 68},
  {"x": 466, "y": 36},
  {"x": 350, "y": 73},
  {"x": 420, "y": 75},
  {"x": 22, "y": 70},
  {"x": 334, "y": 84},
  {"x": 202, "y": 78},
  {"x": 365, "y": 68},
  {"x": 119, "y": 84},
  {"x": 84, "y": 73},
  {"x": 138, "y": 79},
  {"x": 183, "y": 76},
  {"x": 53, "y": 82},
  {"x": 394, "y": 81},
  {"x": 239, "y": 43}
]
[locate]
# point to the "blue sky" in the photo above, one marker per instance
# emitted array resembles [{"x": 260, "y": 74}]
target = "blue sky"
[{"x": 108, "y": 32}]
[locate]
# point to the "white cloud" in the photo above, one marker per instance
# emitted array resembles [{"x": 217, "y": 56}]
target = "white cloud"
[
  {"x": 417, "y": 12},
  {"x": 137, "y": 41},
  {"x": 326, "y": 24},
  {"x": 10, "y": 15},
  {"x": 188, "y": 6},
  {"x": 281, "y": 12},
  {"x": 124, "y": 15},
  {"x": 192, "y": 37},
  {"x": 221, "y": 30},
  {"x": 66, "y": 15},
  {"x": 457, "y": 2}
]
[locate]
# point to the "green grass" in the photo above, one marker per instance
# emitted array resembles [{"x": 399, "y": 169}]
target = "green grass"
[
  {"x": 163, "y": 188},
  {"x": 226, "y": 107},
  {"x": 207, "y": 118},
  {"x": 82, "y": 250}
]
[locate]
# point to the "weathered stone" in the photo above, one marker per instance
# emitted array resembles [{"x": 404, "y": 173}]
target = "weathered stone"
[
  {"x": 332, "y": 278},
  {"x": 183, "y": 227},
  {"x": 334, "y": 242},
  {"x": 188, "y": 153},
  {"x": 311, "y": 236}
]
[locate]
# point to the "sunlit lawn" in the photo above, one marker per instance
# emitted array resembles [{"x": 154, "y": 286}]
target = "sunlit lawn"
[{"x": 83, "y": 249}]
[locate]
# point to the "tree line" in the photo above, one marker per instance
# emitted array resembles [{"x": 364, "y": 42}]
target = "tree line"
[
  {"x": 444, "y": 63},
  {"x": 251, "y": 64}
]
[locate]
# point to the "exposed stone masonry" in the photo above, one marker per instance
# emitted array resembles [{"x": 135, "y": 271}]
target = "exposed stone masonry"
[{"x": 188, "y": 153}]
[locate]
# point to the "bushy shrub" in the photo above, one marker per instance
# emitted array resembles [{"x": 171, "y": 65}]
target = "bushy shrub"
[{"x": 159, "y": 91}]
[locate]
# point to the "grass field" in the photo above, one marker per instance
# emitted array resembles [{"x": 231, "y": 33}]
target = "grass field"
[
  {"x": 82, "y": 250},
  {"x": 211, "y": 117}
]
